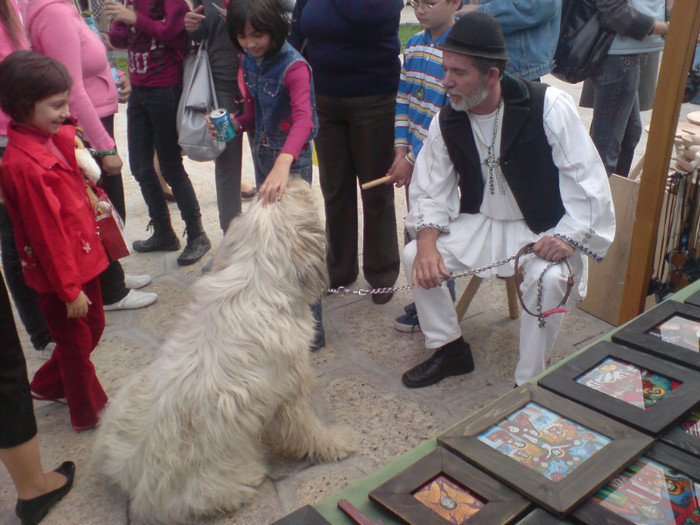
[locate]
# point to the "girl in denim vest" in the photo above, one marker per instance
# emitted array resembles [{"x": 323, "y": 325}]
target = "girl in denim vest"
[{"x": 279, "y": 96}]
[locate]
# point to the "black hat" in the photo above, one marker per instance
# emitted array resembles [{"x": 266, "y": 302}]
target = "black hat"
[{"x": 477, "y": 34}]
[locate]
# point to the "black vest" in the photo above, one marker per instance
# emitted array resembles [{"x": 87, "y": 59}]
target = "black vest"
[{"x": 526, "y": 156}]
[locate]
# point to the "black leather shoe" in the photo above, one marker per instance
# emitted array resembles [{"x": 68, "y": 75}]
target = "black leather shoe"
[
  {"x": 382, "y": 298},
  {"x": 452, "y": 359},
  {"x": 32, "y": 511},
  {"x": 194, "y": 250}
]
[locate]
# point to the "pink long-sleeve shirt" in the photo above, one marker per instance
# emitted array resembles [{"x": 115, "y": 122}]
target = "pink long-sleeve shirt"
[
  {"x": 7, "y": 47},
  {"x": 297, "y": 81},
  {"x": 57, "y": 30},
  {"x": 156, "y": 42}
]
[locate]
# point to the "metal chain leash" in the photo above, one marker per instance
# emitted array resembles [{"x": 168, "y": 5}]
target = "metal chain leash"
[
  {"x": 525, "y": 250},
  {"x": 342, "y": 290}
]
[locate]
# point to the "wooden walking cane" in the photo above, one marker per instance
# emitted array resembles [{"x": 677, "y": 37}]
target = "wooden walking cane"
[{"x": 375, "y": 182}]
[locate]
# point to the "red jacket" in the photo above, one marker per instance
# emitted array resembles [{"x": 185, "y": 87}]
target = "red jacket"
[{"x": 54, "y": 222}]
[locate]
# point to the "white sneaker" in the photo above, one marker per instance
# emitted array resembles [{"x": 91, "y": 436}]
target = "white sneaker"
[
  {"x": 136, "y": 281},
  {"x": 134, "y": 299},
  {"x": 46, "y": 352}
]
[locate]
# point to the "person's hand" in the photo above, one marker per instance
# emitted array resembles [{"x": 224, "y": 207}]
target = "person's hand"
[
  {"x": 119, "y": 13},
  {"x": 193, "y": 18},
  {"x": 124, "y": 85},
  {"x": 428, "y": 265},
  {"x": 111, "y": 164},
  {"x": 79, "y": 306},
  {"x": 468, "y": 8},
  {"x": 276, "y": 181},
  {"x": 660, "y": 28},
  {"x": 401, "y": 170},
  {"x": 552, "y": 249}
]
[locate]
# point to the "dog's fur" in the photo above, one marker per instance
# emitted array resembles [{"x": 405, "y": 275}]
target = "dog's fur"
[{"x": 188, "y": 434}]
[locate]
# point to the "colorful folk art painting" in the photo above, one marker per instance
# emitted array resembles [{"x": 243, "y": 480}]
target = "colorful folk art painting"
[
  {"x": 691, "y": 424},
  {"x": 449, "y": 500},
  {"x": 649, "y": 493},
  {"x": 627, "y": 382},
  {"x": 679, "y": 331},
  {"x": 544, "y": 441}
]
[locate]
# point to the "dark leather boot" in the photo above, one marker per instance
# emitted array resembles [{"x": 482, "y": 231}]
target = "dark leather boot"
[
  {"x": 197, "y": 244},
  {"x": 452, "y": 359},
  {"x": 163, "y": 239}
]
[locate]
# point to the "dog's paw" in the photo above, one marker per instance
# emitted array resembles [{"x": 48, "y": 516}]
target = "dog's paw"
[{"x": 337, "y": 444}]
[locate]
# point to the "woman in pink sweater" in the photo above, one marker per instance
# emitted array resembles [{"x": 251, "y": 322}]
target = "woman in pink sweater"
[{"x": 57, "y": 30}]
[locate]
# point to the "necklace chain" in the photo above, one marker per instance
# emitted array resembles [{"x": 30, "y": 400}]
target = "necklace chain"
[{"x": 491, "y": 160}]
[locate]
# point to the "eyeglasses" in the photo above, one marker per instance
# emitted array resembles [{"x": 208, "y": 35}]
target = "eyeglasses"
[{"x": 426, "y": 5}]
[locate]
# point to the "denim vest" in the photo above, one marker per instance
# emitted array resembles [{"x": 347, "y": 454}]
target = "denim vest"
[
  {"x": 273, "y": 110},
  {"x": 529, "y": 43}
]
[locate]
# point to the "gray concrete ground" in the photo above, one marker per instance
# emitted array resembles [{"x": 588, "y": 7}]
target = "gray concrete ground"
[{"x": 358, "y": 373}]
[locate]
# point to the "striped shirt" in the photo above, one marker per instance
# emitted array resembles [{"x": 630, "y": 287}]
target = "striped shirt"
[{"x": 420, "y": 94}]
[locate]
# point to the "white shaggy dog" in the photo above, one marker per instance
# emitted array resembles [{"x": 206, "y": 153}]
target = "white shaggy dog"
[{"x": 188, "y": 434}]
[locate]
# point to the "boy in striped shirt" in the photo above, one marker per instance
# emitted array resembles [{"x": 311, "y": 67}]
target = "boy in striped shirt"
[{"x": 419, "y": 98}]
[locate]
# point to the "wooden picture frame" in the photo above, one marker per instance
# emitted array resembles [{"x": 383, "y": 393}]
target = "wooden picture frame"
[
  {"x": 306, "y": 515},
  {"x": 635, "y": 333},
  {"x": 501, "y": 504},
  {"x": 693, "y": 299},
  {"x": 688, "y": 439},
  {"x": 542, "y": 517},
  {"x": 605, "y": 366},
  {"x": 592, "y": 512},
  {"x": 559, "y": 493}
]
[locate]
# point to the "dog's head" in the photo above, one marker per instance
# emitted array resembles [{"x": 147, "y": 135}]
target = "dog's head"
[{"x": 282, "y": 243}]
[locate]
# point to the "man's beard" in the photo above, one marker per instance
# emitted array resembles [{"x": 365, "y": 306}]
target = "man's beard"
[{"x": 467, "y": 103}]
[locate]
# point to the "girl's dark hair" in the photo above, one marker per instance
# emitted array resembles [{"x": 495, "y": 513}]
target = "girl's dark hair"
[
  {"x": 26, "y": 78},
  {"x": 10, "y": 21},
  {"x": 266, "y": 16}
]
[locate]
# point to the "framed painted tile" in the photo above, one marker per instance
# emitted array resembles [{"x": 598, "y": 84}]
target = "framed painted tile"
[
  {"x": 548, "y": 448},
  {"x": 670, "y": 330},
  {"x": 641, "y": 390},
  {"x": 686, "y": 434},
  {"x": 442, "y": 488},
  {"x": 660, "y": 488}
]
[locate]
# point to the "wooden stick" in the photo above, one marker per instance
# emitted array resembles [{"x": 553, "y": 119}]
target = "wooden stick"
[{"x": 375, "y": 182}]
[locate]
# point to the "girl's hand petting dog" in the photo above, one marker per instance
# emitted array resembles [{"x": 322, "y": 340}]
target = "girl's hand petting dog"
[{"x": 273, "y": 187}]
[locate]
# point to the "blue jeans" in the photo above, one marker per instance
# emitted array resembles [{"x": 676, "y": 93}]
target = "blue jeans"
[
  {"x": 151, "y": 127},
  {"x": 264, "y": 159},
  {"x": 617, "y": 126}
]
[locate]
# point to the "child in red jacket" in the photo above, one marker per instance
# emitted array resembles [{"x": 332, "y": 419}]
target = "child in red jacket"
[{"x": 55, "y": 228}]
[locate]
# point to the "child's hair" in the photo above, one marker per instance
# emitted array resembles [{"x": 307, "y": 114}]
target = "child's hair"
[
  {"x": 266, "y": 16},
  {"x": 26, "y": 78}
]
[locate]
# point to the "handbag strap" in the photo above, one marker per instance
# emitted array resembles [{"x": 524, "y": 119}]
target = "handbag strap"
[{"x": 201, "y": 56}]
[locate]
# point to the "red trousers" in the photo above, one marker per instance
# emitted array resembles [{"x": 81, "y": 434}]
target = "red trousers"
[{"x": 70, "y": 373}]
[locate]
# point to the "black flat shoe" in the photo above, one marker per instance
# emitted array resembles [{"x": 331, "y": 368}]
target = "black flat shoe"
[
  {"x": 452, "y": 359},
  {"x": 32, "y": 511}
]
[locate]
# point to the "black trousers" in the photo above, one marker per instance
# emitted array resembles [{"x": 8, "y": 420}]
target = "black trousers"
[{"x": 16, "y": 411}]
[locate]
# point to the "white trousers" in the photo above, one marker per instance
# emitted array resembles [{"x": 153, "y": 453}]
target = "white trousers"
[{"x": 438, "y": 319}]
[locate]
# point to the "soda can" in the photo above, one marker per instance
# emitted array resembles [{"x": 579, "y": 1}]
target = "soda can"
[{"x": 222, "y": 122}]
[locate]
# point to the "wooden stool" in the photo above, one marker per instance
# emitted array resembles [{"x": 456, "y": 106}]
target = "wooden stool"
[{"x": 472, "y": 288}]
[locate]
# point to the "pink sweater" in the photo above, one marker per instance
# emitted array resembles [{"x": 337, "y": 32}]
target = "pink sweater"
[
  {"x": 7, "y": 47},
  {"x": 57, "y": 30}
]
